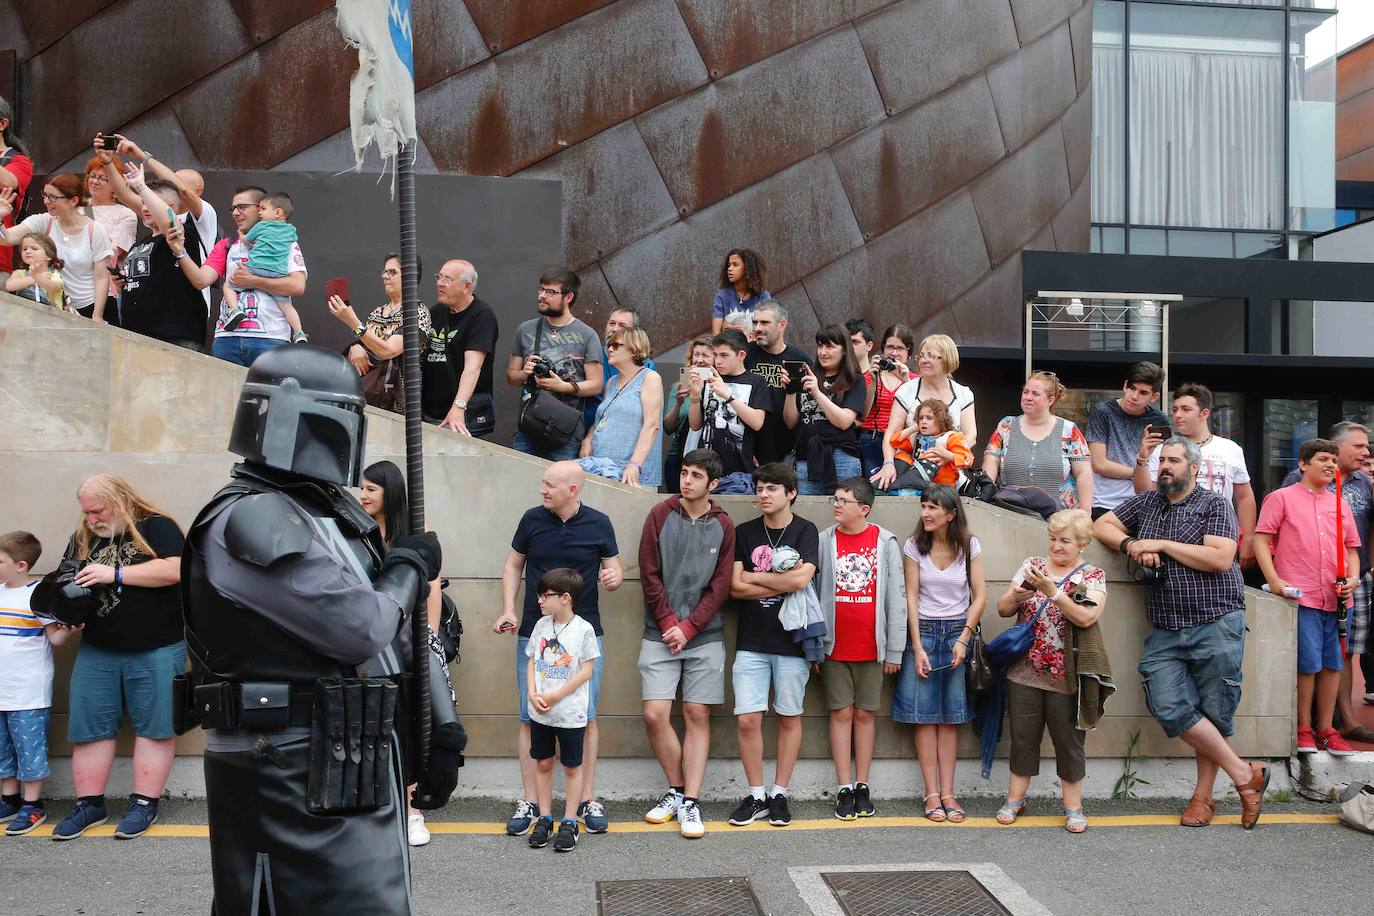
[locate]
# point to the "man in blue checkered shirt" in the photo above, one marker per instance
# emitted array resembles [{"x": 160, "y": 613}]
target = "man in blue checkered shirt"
[{"x": 1183, "y": 538}]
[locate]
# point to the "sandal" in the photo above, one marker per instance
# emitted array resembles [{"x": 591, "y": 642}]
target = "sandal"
[
  {"x": 955, "y": 814},
  {"x": 1009, "y": 812},
  {"x": 1074, "y": 821},
  {"x": 936, "y": 814}
]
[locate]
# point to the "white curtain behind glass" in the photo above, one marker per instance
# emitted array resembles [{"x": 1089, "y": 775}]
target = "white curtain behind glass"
[
  {"x": 1109, "y": 136},
  {"x": 1206, "y": 139}
]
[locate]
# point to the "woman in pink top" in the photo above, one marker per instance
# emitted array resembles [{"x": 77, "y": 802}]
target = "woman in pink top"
[{"x": 945, "y": 597}]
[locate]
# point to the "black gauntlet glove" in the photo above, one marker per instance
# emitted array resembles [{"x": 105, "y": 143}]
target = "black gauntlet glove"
[
  {"x": 436, "y": 784},
  {"x": 420, "y": 551}
]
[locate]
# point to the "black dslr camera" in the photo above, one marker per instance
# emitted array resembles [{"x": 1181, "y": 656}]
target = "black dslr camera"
[
  {"x": 542, "y": 367},
  {"x": 887, "y": 364},
  {"x": 1148, "y": 575}
]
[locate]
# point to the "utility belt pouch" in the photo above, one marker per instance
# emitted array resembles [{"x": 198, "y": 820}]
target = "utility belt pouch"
[
  {"x": 350, "y": 745},
  {"x": 215, "y": 703},
  {"x": 353, "y": 739},
  {"x": 372, "y": 717},
  {"x": 264, "y": 706},
  {"x": 324, "y": 783},
  {"x": 184, "y": 714}
]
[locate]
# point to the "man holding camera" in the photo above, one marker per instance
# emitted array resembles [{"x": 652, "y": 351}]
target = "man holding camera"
[
  {"x": 1185, "y": 535},
  {"x": 559, "y": 354}
]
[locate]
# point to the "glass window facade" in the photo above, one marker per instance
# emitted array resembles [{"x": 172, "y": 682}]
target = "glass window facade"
[{"x": 1212, "y": 116}]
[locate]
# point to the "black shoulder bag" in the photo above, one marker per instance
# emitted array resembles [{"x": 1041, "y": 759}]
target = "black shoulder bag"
[{"x": 546, "y": 421}]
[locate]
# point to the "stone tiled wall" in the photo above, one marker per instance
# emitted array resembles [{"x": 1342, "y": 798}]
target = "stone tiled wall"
[
  {"x": 82, "y": 398},
  {"x": 890, "y": 158}
]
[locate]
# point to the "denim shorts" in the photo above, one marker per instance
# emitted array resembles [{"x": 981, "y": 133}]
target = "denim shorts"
[
  {"x": 846, "y": 465},
  {"x": 24, "y": 744},
  {"x": 242, "y": 349},
  {"x": 521, "y": 669},
  {"x": 941, "y": 697},
  {"x": 1194, "y": 674},
  {"x": 107, "y": 684},
  {"x": 1319, "y": 641},
  {"x": 755, "y": 671},
  {"x": 565, "y": 452}
]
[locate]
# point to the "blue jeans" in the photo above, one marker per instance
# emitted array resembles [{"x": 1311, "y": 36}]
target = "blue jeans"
[
  {"x": 846, "y": 465},
  {"x": 242, "y": 350},
  {"x": 1194, "y": 674},
  {"x": 522, "y": 671},
  {"x": 566, "y": 452},
  {"x": 105, "y": 684},
  {"x": 941, "y": 697}
]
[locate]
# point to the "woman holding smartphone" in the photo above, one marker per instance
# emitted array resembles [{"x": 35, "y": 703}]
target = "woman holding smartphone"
[{"x": 826, "y": 413}]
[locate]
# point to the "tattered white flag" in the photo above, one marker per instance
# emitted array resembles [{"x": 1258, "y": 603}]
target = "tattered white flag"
[{"x": 381, "y": 99}]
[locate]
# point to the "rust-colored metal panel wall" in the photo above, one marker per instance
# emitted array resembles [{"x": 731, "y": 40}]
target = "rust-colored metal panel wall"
[
  {"x": 890, "y": 158},
  {"x": 1355, "y": 114}
]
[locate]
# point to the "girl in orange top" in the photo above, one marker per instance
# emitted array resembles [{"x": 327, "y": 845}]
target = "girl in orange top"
[{"x": 933, "y": 443}]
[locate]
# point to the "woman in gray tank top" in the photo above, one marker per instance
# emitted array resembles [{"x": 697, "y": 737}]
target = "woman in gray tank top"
[{"x": 1039, "y": 449}]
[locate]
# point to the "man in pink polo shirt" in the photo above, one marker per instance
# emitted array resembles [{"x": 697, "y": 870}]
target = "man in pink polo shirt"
[{"x": 1300, "y": 521}]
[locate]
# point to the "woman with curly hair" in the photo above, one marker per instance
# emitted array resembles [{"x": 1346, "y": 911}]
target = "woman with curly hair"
[{"x": 743, "y": 276}]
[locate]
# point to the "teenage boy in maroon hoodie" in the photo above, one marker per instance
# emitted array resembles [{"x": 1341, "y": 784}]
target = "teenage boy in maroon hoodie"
[{"x": 686, "y": 558}]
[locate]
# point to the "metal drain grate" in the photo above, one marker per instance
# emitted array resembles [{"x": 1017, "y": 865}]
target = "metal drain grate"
[
  {"x": 912, "y": 893},
  {"x": 677, "y": 897}
]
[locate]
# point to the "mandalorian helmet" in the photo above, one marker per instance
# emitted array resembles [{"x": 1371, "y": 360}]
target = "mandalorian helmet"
[{"x": 301, "y": 410}]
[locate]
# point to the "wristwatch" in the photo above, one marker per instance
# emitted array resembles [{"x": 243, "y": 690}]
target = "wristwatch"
[
  {"x": 730, "y": 399},
  {"x": 360, "y": 330},
  {"x": 460, "y": 404}
]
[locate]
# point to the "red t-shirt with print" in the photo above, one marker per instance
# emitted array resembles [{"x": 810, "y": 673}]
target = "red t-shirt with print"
[
  {"x": 21, "y": 167},
  {"x": 856, "y": 596}
]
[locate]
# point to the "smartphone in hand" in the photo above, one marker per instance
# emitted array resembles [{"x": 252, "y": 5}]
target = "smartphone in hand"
[
  {"x": 1164, "y": 431},
  {"x": 336, "y": 287},
  {"x": 109, "y": 141},
  {"x": 796, "y": 370}
]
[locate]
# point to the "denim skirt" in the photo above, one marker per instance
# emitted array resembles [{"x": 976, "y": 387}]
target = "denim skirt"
[{"x": 941, "y": 697}]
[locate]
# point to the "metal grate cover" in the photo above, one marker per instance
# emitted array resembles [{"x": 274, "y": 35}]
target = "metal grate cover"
[
  {"x": 677, "y": 897},
  {"x": 912, "y": 893}
]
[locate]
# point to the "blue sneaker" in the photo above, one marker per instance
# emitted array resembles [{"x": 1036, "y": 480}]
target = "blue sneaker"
[
  {"x": 82, "y": 818},
  {"x": 29, "y": 817},
  {"x": 526, "y": 813},
  {"x": 593, "y": 816},
  {"x": 8, "y": 811},
  {"x": 141, "y": 815}
]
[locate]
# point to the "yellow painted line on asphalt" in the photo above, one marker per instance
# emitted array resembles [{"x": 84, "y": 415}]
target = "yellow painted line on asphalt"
[{"x": 201, "y": 831}]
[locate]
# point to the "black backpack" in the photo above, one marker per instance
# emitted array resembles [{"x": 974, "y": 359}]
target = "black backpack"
[{"x": 450, "y": 633}]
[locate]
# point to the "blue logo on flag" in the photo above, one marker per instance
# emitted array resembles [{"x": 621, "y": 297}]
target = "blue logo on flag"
[{"x": 398, "y": 20}]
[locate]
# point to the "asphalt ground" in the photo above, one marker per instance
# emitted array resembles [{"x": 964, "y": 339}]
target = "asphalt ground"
[{"x": 1134, "y": 859}]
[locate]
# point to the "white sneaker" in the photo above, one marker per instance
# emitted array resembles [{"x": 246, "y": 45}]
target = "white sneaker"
[
  {"x": 690, "y": 822},
  {"x": 1369, "y": 698},
  {"x": 666, "y": 809},
  {"x": 416, "y": 831}
]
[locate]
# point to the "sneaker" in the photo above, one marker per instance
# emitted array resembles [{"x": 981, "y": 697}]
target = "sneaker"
[
  {"x": 299, "y": 337},
  {"x": 539, "y": 836},
  {"x": 81, "y": 818},
  {"x": 234, "y": 318},
  {"x": 689, "y": 821},
  {"x": 29, "y": 817},
  {"x": 593, "y": 816},
  {"x": 749, "y": 810},
  {"x": 844, "y": 805},
  {"x": 416, "y": 832},
  {"x": 567, "y": 835},
  {"x": 1307, "y": 742},
  {"x": 778, "y": 813},
  {"x": 8, "y": 812},
  {"x": 526, "y": 813},
  {"x": 1369, "y": 698},
  {"x": 863, "y": 805},
  {"x": 666, "y": 809},
  {"x": 1332, "y": 742},
  {"x": 141, "y": 815}
]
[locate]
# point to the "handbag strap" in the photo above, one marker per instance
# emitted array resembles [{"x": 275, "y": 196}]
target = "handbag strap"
[{"x": 1045, "y": 599}]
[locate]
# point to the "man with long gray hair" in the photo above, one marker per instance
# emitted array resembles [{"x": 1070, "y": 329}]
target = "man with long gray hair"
[{"x": 1185, "y": 535}]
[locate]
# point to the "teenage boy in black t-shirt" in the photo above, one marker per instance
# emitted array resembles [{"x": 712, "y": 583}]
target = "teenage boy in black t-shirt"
[
  {"x": 766, "y": 654},
  {"x": 729, "y": 407},
  {"x": 158, "y": 300}
]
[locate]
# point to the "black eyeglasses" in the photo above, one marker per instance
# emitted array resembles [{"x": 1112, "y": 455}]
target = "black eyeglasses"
[
  {"x": 549, "y": 291},
  {"x": 390, "y": 272},
  {"x": 239, "y": 208}
]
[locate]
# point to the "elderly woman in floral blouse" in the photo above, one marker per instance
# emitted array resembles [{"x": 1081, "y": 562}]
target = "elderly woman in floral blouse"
[{"x": 1069, "y": 593}]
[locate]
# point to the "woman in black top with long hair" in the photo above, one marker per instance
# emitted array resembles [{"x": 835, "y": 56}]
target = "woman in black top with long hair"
[{"x": 828, "y": 410}]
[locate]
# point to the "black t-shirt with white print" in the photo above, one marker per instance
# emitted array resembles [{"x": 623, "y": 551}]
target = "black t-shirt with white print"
[{"x": 723, "y": 431}]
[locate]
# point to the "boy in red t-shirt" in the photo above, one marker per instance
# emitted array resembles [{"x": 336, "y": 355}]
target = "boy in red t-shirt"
[{"x": 863, "y": 595}]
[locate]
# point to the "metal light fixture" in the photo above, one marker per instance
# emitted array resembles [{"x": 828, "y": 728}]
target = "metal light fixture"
[
  {"x": 1148, "y": 308},
  {"x": 1075, "y": 308}
]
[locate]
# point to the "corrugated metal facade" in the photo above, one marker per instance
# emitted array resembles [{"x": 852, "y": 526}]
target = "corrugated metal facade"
[{"x": 889, "y": 159}]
